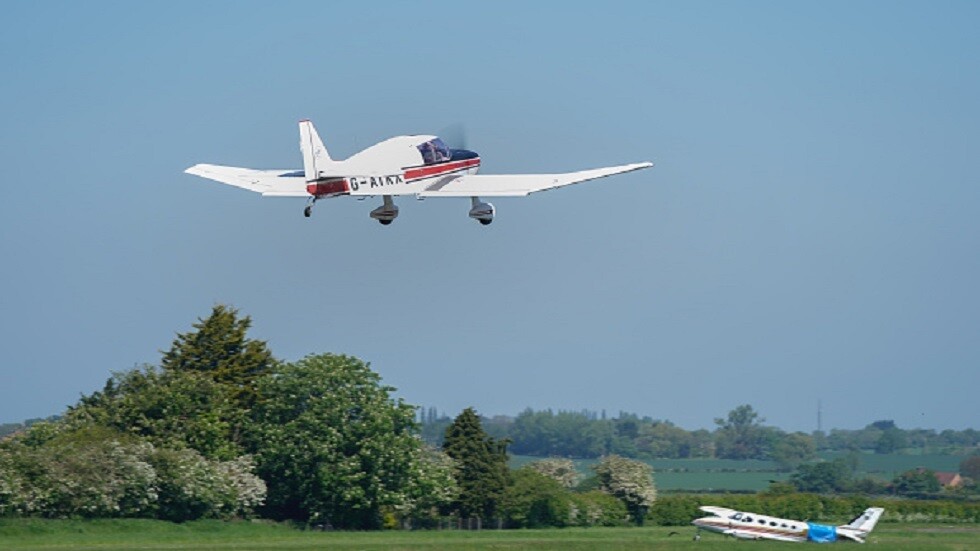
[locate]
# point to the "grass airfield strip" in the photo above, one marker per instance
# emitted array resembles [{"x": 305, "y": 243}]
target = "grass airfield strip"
[{"x": 147, "y": 534}]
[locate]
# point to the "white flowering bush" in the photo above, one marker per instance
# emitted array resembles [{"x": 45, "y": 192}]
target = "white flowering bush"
[
  {"x": 431, "y": 485},
  {"x": 192, "y": 487},
  {"x": 244, "y": 489},
  {"x": 96, "y": 472},
  {"x": 630, "y": 481},
  {"x": 77, "y": 474},
  {"x": 562, "y": 471}
]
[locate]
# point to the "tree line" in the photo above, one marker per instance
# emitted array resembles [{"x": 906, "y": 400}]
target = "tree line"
[
  {"x": 741, "y": 434},
  {"x": 222, "y": 429}
]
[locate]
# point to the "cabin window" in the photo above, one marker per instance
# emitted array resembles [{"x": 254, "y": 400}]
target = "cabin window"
[
  {"x": 747, "y": 519},
  {"x": 762, "y": 521},
  {"x": 782, "y": 526},
  {"x": 434, "y": 151},
  {"x": 772, "y": 524},
  {"x": 736, "y": 516}
]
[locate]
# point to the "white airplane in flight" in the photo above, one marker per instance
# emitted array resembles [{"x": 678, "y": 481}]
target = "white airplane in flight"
[
  {"x": 405, "y": 165},
  {"x": 752, "y": 526}
]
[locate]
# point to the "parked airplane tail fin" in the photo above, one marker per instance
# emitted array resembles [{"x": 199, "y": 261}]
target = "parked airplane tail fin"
[
  {"x": 865, "y": 522},
  {"x": 316, "y": 160}
]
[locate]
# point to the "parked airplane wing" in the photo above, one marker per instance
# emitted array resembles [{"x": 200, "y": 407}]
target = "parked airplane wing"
[
  {"x": 279, "y": 183},
  {"x": 720, "y": 511},
  {"x": 516, "y": 185}
]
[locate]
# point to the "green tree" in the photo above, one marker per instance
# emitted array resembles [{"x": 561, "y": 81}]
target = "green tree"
[
  {"x": 664, "y": 439},
  {"x": 332, "y": 445},
  {"x": 219, "y": 347},
  {"x": 970, "y": 467},
  {"x": 596, "y": 508},
  {"x": 892, "y": 439},
  {"x": 200, "y": 395},
  {"x": 562, "y": 434},
  {"x": 481, "y": 466},
  {"x": 916, "y": 481},
  {"x": 534, "y": 500},
  {"x": 741, "y": 435},
  {"x": 172, "y": 409},
  {"x": 790, "y": 450},
  {"x": 822, "y": 477},
  {"x": 630, "y": 481}
]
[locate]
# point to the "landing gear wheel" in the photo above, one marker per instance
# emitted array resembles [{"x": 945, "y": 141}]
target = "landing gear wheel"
[
  {"x": 486, "y": 222},
  {"x": 308, "y": 211},
  {"x": 385, "y": 222}
]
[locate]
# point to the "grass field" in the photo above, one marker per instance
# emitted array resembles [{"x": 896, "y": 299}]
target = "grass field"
[
  {"x": 150, "y": 535},
  {"x": 698, "y": 475}
]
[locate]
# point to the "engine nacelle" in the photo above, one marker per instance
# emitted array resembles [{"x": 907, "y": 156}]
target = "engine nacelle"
[{"x": 482, "y": 212}]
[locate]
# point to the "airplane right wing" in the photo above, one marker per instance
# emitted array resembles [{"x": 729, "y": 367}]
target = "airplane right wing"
[{"x": 518, "y": 185}]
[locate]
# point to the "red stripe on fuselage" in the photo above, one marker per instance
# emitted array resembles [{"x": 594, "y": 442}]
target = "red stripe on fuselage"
[
  {"x": 328, "y": 187},
  {"x": 438, "y": 170}
]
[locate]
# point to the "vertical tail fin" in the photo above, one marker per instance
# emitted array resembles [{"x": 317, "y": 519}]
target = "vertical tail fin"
[
  {"x": 865, "y": 522},
  {"x": 316, "y": 160}
]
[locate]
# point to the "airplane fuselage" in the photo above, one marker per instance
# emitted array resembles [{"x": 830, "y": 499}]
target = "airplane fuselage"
[
  {"x": 752, "y": 526},
  {"x": 404, "y": 180}
]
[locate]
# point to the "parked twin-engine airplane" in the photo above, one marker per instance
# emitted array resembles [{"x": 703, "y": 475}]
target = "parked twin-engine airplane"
[
  {"x": 752, "y": 526},
  {"x": 405, "y": 165}
]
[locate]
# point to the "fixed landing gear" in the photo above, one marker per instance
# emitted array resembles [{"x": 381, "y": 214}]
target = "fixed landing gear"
[
  {"x": 309, "y": 207},
  {"x": 481, "y": 212},
  {"x": 387, "y": 212}
]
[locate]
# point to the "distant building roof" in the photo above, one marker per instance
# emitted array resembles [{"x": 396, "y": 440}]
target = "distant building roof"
[{"x": 951, "y": 480}]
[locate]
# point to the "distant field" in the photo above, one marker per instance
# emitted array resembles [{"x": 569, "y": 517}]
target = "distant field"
[
  {"x": 755, "y": 475},
  {"x": 887, "y": 466},
  {"x": 152, "y": 535}
]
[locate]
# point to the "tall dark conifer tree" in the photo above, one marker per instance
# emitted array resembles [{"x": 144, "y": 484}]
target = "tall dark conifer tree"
[
  {"x": 482, "y": 472},
  {"x": 219, "y": 348}
]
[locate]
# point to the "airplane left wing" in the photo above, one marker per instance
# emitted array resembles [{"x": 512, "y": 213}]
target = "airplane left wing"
[
  {"x": 276, "y": 183},
  {"x": 517, "y": 185}
]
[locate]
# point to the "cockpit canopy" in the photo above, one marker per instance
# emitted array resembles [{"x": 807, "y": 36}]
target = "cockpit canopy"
[{"x": 434, "y": 151}]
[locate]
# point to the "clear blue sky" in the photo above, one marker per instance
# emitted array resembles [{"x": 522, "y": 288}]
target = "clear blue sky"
[{"x": 810, "y": 231}]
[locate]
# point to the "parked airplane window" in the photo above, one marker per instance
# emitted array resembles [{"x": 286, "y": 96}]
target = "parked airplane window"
[
  {"x": 747, "y": 519},
  {"x": 782, "y": 526},
  {"x": 434, "y": 151},
  {"x": 772, "y": 524},
  {"x": 762, "y": 521},
  {"x": 736, "y": 516}
]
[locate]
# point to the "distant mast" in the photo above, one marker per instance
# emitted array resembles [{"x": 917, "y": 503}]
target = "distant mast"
[{"x": 819, "y": 416}]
